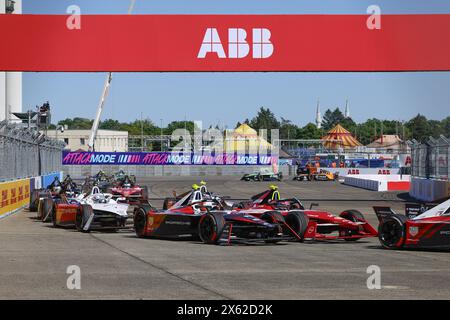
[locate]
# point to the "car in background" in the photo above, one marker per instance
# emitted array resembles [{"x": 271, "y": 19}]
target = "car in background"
[
  {"x": 126, "y": 190},
  {"x": 263, "y": 174}
]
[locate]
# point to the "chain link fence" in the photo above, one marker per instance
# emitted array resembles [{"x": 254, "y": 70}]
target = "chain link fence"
[
  {"x": 26, "y": 152},
  {"x": 430, "y": 159}
]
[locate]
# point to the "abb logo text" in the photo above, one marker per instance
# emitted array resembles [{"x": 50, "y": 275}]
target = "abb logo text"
[{"x": 238, "y": 47}]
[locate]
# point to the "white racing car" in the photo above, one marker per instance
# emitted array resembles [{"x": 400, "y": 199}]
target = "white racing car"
[
  {"x": 95, "y": 211},
  {"x": 101, "y": 211}
]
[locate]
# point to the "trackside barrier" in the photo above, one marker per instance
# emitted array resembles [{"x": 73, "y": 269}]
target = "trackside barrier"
[
  {"x": 429, "y": 190},
  {"x": 13, "y": 196},
  {"x": 379, "y": 182}
]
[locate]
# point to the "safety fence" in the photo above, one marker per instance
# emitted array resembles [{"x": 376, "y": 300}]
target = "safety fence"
[
  {"x": 430, "y": 159},
  {"x": 26, "y": 152}
]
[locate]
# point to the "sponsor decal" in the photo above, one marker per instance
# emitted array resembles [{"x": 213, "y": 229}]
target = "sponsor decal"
[
  {"x": 413, "y": 231},
  {"x": 14, "y": 195},
  {"x": 162, "y": 158}
]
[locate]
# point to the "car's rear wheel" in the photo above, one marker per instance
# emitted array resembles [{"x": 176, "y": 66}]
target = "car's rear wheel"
[
  {"x": 140, "y": 222},
  {"x": 82, "y": 217},
  {"x": 34, "y": 200},
  {"x": 391, "y": 231},
  {"x": 298, "y": 222},
  {"x": 354, "y": 216},
  {"x": 211, "y": 227},
  {"x": 47, "y": 208}
]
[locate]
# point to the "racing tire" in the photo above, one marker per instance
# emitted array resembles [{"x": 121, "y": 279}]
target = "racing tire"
[
  {"x": 47, "y": 209},
  {"x": 34, "y": 200},
  {"x": 354, "y": 216},
  {"x": 140, "y": 222},
  {"x": 392, "y": 231},
  {"x": 210, "y": 227},
  {"x": 82, "y": 217},
  {"x": 297, "y": 221}
]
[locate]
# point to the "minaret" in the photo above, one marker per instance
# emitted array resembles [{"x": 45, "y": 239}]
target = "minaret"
[
  {"x": 318, "y": 116},
  {"x": 347, "y": 110}
]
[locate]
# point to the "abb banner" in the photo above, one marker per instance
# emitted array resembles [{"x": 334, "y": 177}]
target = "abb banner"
[{"x": 164, "y": 43}]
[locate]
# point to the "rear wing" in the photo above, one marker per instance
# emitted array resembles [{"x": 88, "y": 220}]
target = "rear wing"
[{"x": 383, "y": 212}]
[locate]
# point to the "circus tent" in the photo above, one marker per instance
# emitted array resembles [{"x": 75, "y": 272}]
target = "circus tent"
[
  {"x": 339, "y": 137},
  {"x": 245, "y": 139}
]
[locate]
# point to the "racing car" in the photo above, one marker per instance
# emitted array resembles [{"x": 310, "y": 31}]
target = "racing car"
[
  {"x": 264, "y": 174},
  {"x": 199, "y": 215},
  {"x": 54, "y": 192},
  {"x": 312, "y": 174},
  {"x": 128, "y": 191},
  {"x": 428, "y": 230},
  {"x": 308, "y": 224},
  {"x": 96, "y": 211}
]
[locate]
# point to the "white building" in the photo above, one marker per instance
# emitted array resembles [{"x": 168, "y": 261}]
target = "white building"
[
  {"x": 106, "y": 141},
  {"x": 10, "y": 82}
]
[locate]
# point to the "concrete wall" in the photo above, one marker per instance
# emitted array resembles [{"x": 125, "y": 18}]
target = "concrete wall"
[{"x": 429, "y": 190}]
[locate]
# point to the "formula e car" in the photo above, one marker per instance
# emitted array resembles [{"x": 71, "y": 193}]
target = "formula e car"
[
  {"x": 312, "y": 174},
  {"x": 309, "y": 224},
  {"x": 264, "y": 174},
  {"x": 55, "y": 191},
  {"x": 428, "y": 230},
  {"x": 199, "y": 216},
  {"x": 128, "y": 191},
  {"x": 96, "y": 211}
]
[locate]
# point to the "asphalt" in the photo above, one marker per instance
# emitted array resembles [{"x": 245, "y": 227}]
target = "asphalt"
[{"x": 34, "y": 257}]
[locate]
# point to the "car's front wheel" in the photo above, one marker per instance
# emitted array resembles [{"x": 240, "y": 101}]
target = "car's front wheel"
[{"x": 210, "y": 227}]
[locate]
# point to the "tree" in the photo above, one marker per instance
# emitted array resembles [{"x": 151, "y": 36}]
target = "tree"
[
  {"x": 420, "y": 128},
  {"x": 265, "y": 119},
  {"x": 310, "y": 131},
  {"x": 110, "y": 124},
  {"x": 332, "y": 118},
  {"x": 77, "y": 123},
  {"x": 288, "y": 130}
]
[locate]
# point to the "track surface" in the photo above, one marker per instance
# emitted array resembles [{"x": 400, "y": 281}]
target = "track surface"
[{"x": 34, "y": 258}]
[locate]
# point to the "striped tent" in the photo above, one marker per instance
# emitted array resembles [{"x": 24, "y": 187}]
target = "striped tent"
[{"x": 340, "y": 138}]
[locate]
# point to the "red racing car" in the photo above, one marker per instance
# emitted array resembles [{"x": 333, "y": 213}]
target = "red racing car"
[
  {"x": 201, "y": 215},
  {"x": 428, "y": 230},
  {"x": 309, "y": 224},
  {"x": 127, "y": 191}
]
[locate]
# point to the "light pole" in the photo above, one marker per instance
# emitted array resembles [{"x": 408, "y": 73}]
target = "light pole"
[{"x": 161, "y": 137}]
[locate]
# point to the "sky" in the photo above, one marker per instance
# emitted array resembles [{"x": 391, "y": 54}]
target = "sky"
[{"x": 226, "y": 98}]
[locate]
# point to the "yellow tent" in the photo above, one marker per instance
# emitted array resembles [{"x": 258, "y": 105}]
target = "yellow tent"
[
  {"x": 340, "y": 138},
  {"x": 244, "y": 139}
]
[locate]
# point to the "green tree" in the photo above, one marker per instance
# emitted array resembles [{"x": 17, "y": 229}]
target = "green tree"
[
  {"x": 310, "y": 131},
  {"x": 420, "y": 128},
  {"x": 77, "y": 123},
  {"x": 332, "y": 118},
  {"x": 288, "y": 130},
  {"x": 265, "y": 119}
]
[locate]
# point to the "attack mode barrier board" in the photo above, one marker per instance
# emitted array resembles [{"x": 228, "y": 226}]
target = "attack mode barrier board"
[
  {"x": 165, "y": 43},
  {"x": 14, "y": 195}
]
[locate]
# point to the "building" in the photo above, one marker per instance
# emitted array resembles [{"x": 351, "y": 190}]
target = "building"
[
  {"x": 10, "y": 82},
  {"x": 106, "y": 141},
  {"x": 389, "y": 144}
]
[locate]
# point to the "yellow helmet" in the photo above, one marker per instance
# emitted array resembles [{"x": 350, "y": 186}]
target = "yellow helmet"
[
  {"x": 273, "y": 187},
  {"x": 195, "y": 186},
  {"x": 203, "y": 183}
]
